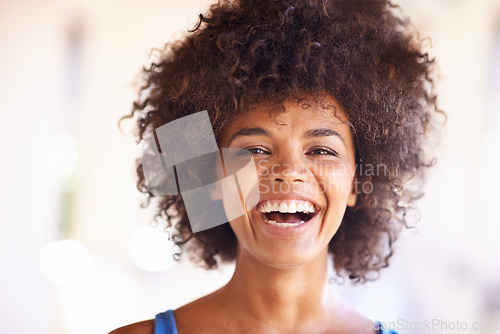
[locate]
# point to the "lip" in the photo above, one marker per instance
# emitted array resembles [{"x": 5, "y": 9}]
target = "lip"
[{"x": 289, "y": 231}]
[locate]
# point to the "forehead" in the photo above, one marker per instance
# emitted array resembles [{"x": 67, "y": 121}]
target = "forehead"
[{"x": 301, "y": 111}]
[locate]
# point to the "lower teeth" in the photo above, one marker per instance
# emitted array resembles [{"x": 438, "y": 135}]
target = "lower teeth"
[{"x": 272, "y": 222}]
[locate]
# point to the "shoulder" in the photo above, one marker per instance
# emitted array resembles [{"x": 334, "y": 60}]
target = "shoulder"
[{"x": 143, "y": 327}]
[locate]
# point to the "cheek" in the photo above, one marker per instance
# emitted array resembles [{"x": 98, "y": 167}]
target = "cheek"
[
  {"x": 264, "y": 170},
  {"x": 335, "y": 180},
  {"x": 336, "y": 185},
  {"x": 240, "y": 187}
]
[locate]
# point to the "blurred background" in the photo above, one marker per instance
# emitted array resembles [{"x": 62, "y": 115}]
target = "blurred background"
[{"x": 79, "y": 255}]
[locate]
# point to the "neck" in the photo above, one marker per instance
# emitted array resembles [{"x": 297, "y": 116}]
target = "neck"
[{"x": 293, "y": 296}]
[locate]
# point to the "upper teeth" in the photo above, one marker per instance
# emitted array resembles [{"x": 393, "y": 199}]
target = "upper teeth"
[{"x": 286, "y": 206}]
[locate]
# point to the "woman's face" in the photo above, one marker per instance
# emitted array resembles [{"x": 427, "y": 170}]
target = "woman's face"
[{"x": 305, "y": 163}]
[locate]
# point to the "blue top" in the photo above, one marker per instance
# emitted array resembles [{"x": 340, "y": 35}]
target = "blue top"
[{"x": 165, "y": 324}]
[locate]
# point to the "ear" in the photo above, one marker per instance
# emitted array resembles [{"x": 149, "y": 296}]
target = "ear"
[
  {"x": 216, "y": 192},
  {"x": 353, "y": 195}
]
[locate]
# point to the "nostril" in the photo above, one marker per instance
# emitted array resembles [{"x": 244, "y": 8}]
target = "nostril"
[
  {"x": 278, "y": 179},
  {"x": 290, "y": 173}
]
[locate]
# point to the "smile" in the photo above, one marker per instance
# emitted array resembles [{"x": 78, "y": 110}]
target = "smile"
[{"x": 286, "y": 213}]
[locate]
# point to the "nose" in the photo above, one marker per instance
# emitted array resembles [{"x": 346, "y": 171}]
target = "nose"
[{"x": 288, "y": 168}]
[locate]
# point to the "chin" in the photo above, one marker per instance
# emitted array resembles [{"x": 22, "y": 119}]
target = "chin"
[{"x": 288, "y": 254}]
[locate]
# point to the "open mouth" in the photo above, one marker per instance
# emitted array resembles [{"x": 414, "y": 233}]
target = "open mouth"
[{"x": 287, "y": 213}]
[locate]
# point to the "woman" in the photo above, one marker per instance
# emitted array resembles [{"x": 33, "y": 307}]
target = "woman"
[{"x": 333, "y": 99}]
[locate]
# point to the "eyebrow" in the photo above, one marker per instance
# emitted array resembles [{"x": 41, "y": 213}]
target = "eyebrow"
[
  {"x": 256, "y": 131},
  {"x": 323, "y": 133},
  {"x": 312, "y": 133}
]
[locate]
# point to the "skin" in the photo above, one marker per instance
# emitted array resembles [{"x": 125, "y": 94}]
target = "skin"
[{"x": 280, "y": 283}]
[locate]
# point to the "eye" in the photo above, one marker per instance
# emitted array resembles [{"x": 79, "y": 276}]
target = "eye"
[
  {"x": 322, "y": 151},
  {"x": 252, "y": 151},
  {"x": 256, "y": 150}
]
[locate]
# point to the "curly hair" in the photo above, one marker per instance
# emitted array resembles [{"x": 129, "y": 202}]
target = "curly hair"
[{"x": 363, "y": 53}]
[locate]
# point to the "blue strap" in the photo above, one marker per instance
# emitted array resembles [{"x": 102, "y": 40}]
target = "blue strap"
[
  {"x": 384, "y": 331},
  {"x": 165, "y": 323}
]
